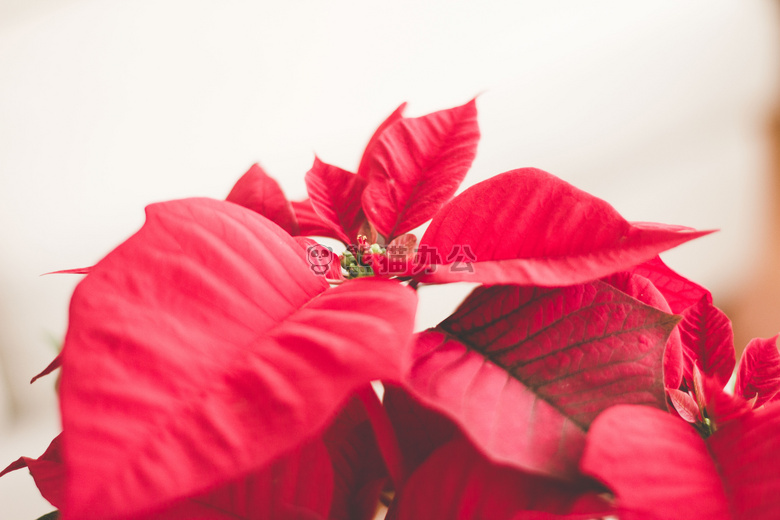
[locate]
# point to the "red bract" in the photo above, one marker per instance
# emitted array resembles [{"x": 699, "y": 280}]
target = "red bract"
[
  {"x": 528, "y": 227},
  {"x": 209, "y": 370},
  {"x": 708, "y": 341},
  {"x": 645, "y": 291},
  {"x": 203, "y": 348},
  {"x": 524, "y": 371},
  {"x": 47, "y": 470},
  {"x": 660, "y": 468},
  {"x": 409, "y": 169},
  {"x": 334, "y": 477},
  {"x": 257, "y": 191},
  {"x": 457, "y": 482},
  {"x": 758, "y": 376},
  {"x": 679, "y": 292}
]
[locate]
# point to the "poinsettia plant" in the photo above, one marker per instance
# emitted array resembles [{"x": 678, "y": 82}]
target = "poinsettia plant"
[{"x": 222, "y": 363}]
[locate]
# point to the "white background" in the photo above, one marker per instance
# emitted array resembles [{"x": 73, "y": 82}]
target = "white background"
[{"x": 106, "y": 106}]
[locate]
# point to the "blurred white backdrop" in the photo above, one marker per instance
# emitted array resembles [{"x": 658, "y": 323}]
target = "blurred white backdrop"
[{"x": 106, "y": 106}]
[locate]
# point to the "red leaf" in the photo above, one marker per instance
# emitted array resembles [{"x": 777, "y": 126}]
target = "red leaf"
[
  {"x": 645, "y": 291},
  {"x": 685, "y": 405},
  {"x": 524, "y": 371},
  {"x": 310, "y": 223},
  {"x": 48, "y": 472},
  {"x": 528, "y": 227},
  {"x": 260, "y": 193},
  {"x": 759, "y": 371},
  {"x": 660, "y": 468},
  {"x": 357, "y": 461},
  {"x": 678, "y": 291},
  {"x": 416, "y": 165},
  {"x": 420, "y": 430},
  {"x": 457, "y": 482},
  {"x": 720, "y": 407},
  {"x": 708, "y": 341},
  {"x": 335, "y": 197},
  {"x": 51, "y": 367},
  {"x": 369, "y": 152},
  {"x": 190, "y": 362},
  {"x": 78, "y": 270},
  {"x": 297, "y": 486}
]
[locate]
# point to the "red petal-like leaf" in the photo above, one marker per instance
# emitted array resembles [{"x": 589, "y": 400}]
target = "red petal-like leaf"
[
  {"x": 457, "y": 482},
  {"x": 369, "y": 152},
  {"x": 708, "y": 341},
  {"x": 416, "y": 166},
  {"x": 257, "y": 191},
  {"x": 759, "y": 371},
  {"x": 51, "y": 367},
  {"x": 297, "y": 486},
  {"x": 190, "y": 361},
  {"x": 524, "y": 371},
  {"x": 335, "y": 196},
  {"x": 78, "y": 270},
  {"x": 643, "y": 290},
  {"x": 309, "y": 223},
  {"x": 685, "y": 405},
  {"x": 720, "y": 406},
  {"x": 420, "y": 430},
  {"x": 528, "y": 227},
  {"x": 48, "y": 471},
  {"x": 679, "y": 292},
  {"x": 357, "y": 461},
  {"x": 660, "y": 468}
]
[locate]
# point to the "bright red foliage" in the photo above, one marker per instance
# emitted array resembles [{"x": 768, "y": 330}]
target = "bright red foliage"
[
  {"x": 660, "y": 468},
  {"x": 524, "y": 371},
  {"x": 528, "y": 227},
  {"x": 211, "y": 371}
]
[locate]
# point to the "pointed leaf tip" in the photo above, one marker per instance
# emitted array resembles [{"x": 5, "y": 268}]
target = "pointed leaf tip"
[
  {"x": 528, "y": 227},
  {"x": 259, "y": 192},
  {"x": 416, "y": 165}
]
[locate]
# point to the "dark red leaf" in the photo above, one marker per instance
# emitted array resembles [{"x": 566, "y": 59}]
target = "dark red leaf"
[
  {"x": 357, "y": 461},
  {"x": 420, "y": 430},
  {"x": 528, "y": 227},
  {"x": 48, "y": 472},
  {"x": 524, "y": 371},
  {"x": 257, "y": 191},
  {"x": 708, "y": 341},
  {"x": 645, "y": 291},
  {"x": 335, "y": 197},
  {"x": 369, "y": 152},
  {"x": 679, "y": 292},
  {"x": 416, "y": 165},
  {"x": 660, "y": 468},
  {"x": 191, "y": 361},
  {"x": 457, "y": 482},
  {"x": 759, "y": 371}
]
